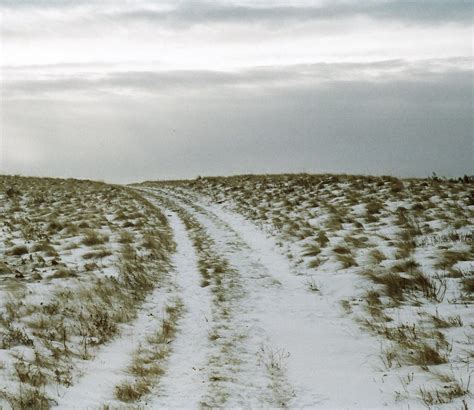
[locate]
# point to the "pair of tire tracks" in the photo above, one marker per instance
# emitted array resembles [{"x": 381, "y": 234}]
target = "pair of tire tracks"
[{"x": 243, "y": 370}]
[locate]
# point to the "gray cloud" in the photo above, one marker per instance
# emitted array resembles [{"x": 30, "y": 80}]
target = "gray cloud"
[
  {"x": 122, "y": 118},
  {"x": 152, "y": 82},
  {"x": 421, "y": 11},
  {"x": 410, "y": 124},
  {"x": 183, "y": 14}
]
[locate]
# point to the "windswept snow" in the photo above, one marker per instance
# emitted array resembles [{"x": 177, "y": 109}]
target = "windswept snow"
[
  {"x": 245, "y": 292},
  {"x": 326, "y": 360}
]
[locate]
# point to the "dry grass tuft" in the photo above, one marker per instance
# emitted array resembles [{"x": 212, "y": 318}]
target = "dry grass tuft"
[
  {"x": 92, "y": 238},
  {"x": 18, "y": 250},
  {"x": 131, "y": 391}
]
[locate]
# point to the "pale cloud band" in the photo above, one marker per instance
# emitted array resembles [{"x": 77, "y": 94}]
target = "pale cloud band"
[
  {"x": 42, "y": 81},
  {"x": 190, "y": 12}
]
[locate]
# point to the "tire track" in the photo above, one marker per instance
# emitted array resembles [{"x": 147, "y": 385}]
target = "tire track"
[
  {"x": 238, "y": 373},
  {"x": 310, "y": 340},
  {"x": 182, "y": 384}
]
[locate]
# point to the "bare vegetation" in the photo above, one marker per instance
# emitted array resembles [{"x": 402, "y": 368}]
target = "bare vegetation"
[{"x": 53, "y": 229}]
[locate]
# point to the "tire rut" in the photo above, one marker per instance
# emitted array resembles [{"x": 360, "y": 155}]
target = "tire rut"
[{"x": 245, "y": 369}]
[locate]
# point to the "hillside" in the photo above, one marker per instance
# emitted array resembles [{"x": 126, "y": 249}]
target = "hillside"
[{"x": 329, "y": 291}]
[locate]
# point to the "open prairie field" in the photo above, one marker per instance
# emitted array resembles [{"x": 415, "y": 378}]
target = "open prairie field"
[{"x": 272, "y": 291}]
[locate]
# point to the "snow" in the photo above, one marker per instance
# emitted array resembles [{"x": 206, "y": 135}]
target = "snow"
[
  {"x": 109, "y": 366},
  {"x": 323, "y": 368},
  {"x": 283, "y": 337},
  {"x": 259, "y": 232},
  {"x": 182, "y": 384}
]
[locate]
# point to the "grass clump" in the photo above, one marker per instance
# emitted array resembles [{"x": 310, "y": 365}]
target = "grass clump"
[
  {"x": 347, "y": 260},
  {"x": 409, "y": 266},
  {"x": 92, "y": 238},
  {"x": 322, "y": 239},
  {"x": 45, "y": 247},
  {"x": 376, "y": 256},
  {"x": 130, "y": 391},
  {"x": 311, "y": 250},
  {"x": 126, "y": 237},
  {"x": 314, "y": 263},
  {"x": 394, "y": 284},
  {"x": 426, "y": 355},
  {"x": 446, "y": 322},
  {"x": 28, "y": 397},
  {"x": 63, "y": 273},
  {"x": 468, "y": 284},
  {"x": 450, "y": 257},
  {"x": 18, "y": 250},
  {"x": 341, "y": 250},
  {"x": 99, "y": 254},
  {"x": 452, "y": 389},
  {"x": 397, "y": 286}
]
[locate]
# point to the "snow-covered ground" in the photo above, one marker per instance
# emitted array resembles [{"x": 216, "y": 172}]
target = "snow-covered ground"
[
  {"x": 324, "y": 358},
  {"x": 247, "y": 292},
  {"x": 78, "y": 259},
  {"x": 373, "y": 274}
]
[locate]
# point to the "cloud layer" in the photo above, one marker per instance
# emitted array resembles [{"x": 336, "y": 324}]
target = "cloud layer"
[
  {"x": 135, "y": 90},
  {"x": 204, "y": 12}
]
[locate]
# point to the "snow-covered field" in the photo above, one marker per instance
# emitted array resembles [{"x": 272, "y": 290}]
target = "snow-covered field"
[{"x": 291, "y": 291}]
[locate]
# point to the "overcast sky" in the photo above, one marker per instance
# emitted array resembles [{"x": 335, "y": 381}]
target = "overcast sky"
[{"x": 130, "y": 90}]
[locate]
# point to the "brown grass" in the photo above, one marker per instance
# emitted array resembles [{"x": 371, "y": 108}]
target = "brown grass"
[
  {"x": 18, "y": 250},
  {"x": 92, "y": 238},
  {"x": 131, "y": 391}
]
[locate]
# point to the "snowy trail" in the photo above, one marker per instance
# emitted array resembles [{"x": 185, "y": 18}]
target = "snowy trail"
[
  {"x": 236, "y": 376},
  {"x": 182, "y": 384},
  {"x": 330, "y": 362}
]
